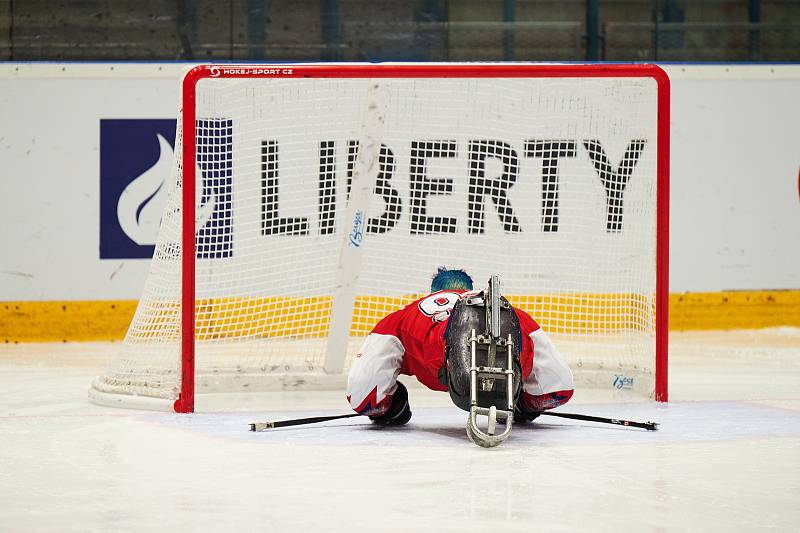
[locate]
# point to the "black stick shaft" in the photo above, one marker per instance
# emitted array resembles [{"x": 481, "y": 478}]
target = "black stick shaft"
[
  {"x": 261, "y": 426},
  {"x": 650, "y": 426}
]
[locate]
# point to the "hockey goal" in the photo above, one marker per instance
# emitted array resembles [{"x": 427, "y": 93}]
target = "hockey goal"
[{"x": 308, "y": 201}]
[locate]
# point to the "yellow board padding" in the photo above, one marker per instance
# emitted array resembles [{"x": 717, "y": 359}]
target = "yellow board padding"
[
  {"x": 734, "y": 310},
  {"x": 309, "y": 317},
  {"x": 63, "y": 321}
]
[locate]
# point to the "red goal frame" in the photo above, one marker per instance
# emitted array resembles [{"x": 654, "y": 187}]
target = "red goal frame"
[{"x": 185, "y": 401}]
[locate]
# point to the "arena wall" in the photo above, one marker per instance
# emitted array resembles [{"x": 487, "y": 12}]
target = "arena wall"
[{"x": 735, "y": 194}]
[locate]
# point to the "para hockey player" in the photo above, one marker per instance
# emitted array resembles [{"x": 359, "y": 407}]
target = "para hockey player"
[{"x": 495, "y": 361}]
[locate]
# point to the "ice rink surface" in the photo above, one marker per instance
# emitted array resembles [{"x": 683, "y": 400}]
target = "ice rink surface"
[{"x": 727, "y": 457}]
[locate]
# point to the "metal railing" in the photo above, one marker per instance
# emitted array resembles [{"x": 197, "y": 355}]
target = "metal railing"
[
  {"x": 462, "y": 41},
  {"x": 701, "y": 41},
  {"x": 145, "y": 33}
]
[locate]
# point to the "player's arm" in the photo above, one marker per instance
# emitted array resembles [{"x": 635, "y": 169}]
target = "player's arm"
[
  {"x": 549, "y": 383},
  {"x": 372, "y": 386}
]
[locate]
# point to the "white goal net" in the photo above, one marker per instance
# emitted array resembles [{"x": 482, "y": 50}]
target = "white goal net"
[{"x": 327, "y": 196}]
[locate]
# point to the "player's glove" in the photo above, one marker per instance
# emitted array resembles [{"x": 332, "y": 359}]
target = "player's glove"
[
  {"x": 399, "y": 412},
  {"x": 522, "y": 414}
]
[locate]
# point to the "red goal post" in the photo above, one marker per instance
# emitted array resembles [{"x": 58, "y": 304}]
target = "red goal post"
[
  {"x": 612, "y": 98},
  {"x": 185, "y": 402}
]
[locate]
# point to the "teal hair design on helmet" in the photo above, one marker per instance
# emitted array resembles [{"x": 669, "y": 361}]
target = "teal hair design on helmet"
[{"x": 451, "y": 280}]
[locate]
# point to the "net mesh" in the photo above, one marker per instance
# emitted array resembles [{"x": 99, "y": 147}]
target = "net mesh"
[{"x": 549, "y": 182}]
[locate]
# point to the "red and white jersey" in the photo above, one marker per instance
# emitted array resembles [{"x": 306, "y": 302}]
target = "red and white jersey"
[{"x": 411, "y": 342}]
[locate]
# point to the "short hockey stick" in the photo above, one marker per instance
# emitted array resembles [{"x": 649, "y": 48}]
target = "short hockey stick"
[
  {"x": 263, "y": 426},
  {"x": 650, "y": 426}
]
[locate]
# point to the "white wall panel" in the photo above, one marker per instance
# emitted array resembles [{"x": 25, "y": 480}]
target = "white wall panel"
[
  {"x": 49, "y": 181},
  {"x": 735, "y": 205}
]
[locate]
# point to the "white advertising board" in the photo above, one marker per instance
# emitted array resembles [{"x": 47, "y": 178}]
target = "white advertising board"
[
  {"x": 735, "y": 156},
  {"x": 735, "y": 201}
]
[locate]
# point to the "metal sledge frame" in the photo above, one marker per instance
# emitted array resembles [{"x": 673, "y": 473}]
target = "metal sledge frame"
[{"x": 490, "y": 437}]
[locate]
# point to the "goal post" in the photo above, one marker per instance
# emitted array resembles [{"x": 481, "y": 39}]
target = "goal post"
[{"x": 309, "y": 201}]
